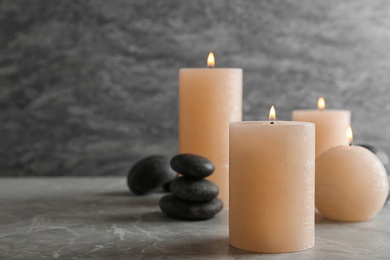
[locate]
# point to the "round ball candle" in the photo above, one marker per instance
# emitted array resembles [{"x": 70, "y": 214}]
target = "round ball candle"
[
  {"x": 351, "y": 183},
  {"x": 209, "y": 99},
  {"x": 330, "y": 125},
  {"x": 271, "y": 186}
]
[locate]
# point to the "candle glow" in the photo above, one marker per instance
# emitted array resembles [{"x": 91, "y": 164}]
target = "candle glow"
[
  {"x": 321, "y": 103},
  {"x": 211, "y": 60}
]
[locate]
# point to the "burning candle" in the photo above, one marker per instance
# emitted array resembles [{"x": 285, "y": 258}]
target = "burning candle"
[
  {"x": 330, "y": 125},
  {"x": 271, "y": 185},
  {"x": 210, "y": 98},
  {"x": 351, "y": 183}
]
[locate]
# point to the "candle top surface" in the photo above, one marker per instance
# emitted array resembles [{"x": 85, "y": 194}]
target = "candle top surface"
[
  {"x": 268, "y": 123},
  {"x": 322, "y": 111},
  {"x": 209, "y": 69}
]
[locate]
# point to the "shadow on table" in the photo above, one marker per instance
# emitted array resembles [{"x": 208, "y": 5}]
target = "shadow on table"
[
  {"x": 321, "y": 220},
  {"x": 117, "y": 194},
  {"x": 200, "y": 248},
  {"x": 128, "y": 193},
  {"x": 153, "y": 216},
  {"x": 147, "y": 200}
]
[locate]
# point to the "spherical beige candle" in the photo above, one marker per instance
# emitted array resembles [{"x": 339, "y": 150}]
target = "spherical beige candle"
[
  {"x": 271, "y": 186},
  {"x": 330, "y": 125},
  {"x": 210, "y": 98},
  {"x": 351, "y": 184}
]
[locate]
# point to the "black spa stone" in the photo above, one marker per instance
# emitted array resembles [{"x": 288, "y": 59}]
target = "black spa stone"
[
  {"x": 194, "y": 190},
  {"x": 192, "y": 166},
  {"x": 149, "y": 174},
  {"x": 181, "y": 209}
]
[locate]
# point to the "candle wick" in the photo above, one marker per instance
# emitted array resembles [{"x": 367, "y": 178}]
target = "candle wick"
[
  {"x": 350, "y": 144},
  {"x": 272, "y": 122}
]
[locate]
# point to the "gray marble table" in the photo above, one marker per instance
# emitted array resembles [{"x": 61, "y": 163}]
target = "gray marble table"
[{"x": 82, "y": 218}]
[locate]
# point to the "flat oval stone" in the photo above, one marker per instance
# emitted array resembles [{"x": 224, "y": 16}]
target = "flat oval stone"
[
  {"x": 181, "y": 209},
  {"x": 194, "y": 190},
  {"x": 149, "y": 174},
  {"x": 192, "y": 166}
]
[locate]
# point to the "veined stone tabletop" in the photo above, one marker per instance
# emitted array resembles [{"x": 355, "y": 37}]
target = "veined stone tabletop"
[{"x": 95, "y": 217}]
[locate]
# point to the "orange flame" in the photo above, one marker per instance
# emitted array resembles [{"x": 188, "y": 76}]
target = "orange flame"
[
  {"x": 211, "y": 60},
  {"x": 349, "y": 134},
  {"x": 321, "y": 103},
  {"x": 272, "y": 113}
]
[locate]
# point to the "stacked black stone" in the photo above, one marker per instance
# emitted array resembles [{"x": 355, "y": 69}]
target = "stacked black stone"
[{"x": 193, "y": 197}]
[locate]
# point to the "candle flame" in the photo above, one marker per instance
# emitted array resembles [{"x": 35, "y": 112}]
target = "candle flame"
[
  {"x": 349, "y": 135},
  {"x": 321, "y": 103},
  {"x": 211, "y": 60},
  {"x": 272, "y": 113}
]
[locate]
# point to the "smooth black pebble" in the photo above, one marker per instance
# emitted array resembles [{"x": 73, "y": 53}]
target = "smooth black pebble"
[
  {"x": 181, "y": 209},
  {"x": 149, "y": 174},
  {"x": 192, "y": 166},
  {"x": 194, "y": 190}
]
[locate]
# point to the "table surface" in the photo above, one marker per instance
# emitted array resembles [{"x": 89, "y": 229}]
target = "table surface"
[{"x": 79, "y": 218}]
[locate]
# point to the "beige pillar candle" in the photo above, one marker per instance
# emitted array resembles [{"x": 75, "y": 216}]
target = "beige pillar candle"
[
  {"x": 330, "y": 125},
  {"x": 351, "y": 183},
  {"x": 210, "y": 98},
  {"x": 271, "y": 186}
]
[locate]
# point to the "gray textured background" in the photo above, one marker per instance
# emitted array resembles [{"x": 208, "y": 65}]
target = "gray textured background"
[{"x": 88, "y": 87}]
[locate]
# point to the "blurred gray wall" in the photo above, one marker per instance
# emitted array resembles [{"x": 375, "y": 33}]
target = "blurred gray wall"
[{"x": 89, "y": 87}]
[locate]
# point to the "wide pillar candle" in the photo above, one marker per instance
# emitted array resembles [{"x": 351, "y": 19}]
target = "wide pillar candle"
[
  {"x": 209, "y": 99},
  {"x": 272, "y": 186},
  {"x": 331, "y": 126}
]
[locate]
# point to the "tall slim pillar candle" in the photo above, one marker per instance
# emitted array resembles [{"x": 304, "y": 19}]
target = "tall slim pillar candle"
[
  {"x": 210, "y": 98},
  {"x": 271, "y": 186}
]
